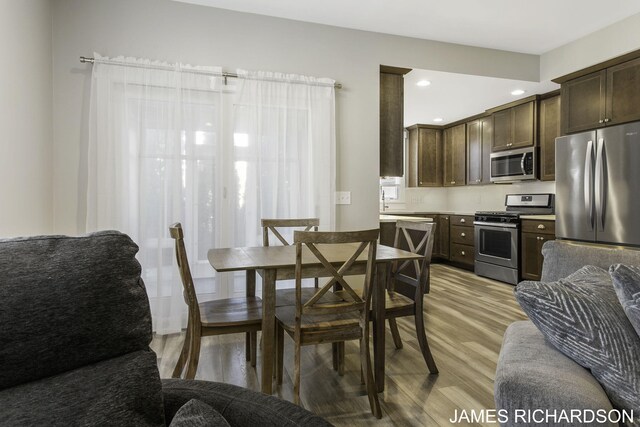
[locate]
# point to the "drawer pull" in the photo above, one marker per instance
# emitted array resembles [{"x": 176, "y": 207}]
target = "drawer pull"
[
  {"x": 462, "y": 253},
  {"x": 541, "y": 227},
  {"x": 463, "y": 235},
  {"x": 462, "y": 220}
]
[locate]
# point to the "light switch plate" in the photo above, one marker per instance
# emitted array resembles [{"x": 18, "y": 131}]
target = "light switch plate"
[{"x": 343, "y": 197}]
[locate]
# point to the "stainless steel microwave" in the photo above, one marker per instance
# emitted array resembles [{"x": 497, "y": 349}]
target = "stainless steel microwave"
[{"x": 514, "y": 165}]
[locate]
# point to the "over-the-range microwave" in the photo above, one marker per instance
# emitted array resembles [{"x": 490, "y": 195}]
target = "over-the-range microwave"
[{"x": 514, "y": 165}]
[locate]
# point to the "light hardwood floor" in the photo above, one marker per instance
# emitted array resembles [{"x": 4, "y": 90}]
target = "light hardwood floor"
[{"x": 466, "y": 317}]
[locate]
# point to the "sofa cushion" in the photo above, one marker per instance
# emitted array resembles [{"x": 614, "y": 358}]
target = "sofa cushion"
[
  {"x": 581, "y": 316},
  {"x": 123, "y": 391},
  {"x": 626, "y": 281},
  {"x": 532, "y": 374},
  {"x": 239, "y": 406},
  {"x": 67, "y": 302},
  {"x": 195, "y": 413}
]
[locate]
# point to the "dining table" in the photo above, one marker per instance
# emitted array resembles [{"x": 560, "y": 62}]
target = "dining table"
[{"x": 276, "y": 263}]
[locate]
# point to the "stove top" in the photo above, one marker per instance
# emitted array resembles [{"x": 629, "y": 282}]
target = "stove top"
[{"x": 499, "y": 213}]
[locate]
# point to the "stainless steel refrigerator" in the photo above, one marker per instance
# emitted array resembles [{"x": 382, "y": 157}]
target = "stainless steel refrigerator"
[{"x": 598, "y": 185}]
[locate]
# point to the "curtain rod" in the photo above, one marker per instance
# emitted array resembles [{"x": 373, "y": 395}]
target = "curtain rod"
[{"x": 89, "y": 60}]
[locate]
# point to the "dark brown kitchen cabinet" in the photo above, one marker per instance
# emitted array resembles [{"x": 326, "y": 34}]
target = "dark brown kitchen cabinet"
[
  {"x": 455, "y": 153},
  {"x": 603, "y": 98},
  {"x": 462, "y": 242},
  {"x": 441, "y": 243},
  {"x": 479, "y": 140},
  {"x": 425, "y": 162},
  {"x": 549, "y": 131},
  {"x": 515, "y": 127},
  {"x": 532, "y": 237},
  {"x": 392, "y": 121}
]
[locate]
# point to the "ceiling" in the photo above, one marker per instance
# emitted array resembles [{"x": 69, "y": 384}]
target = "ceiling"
[
  {"x": 528, "y": 26},
  {"x": 453, "y": 96}
]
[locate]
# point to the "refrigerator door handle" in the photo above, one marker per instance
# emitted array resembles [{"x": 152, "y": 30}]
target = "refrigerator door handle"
[
  {"x": 588, "y": 183},
  {"x": 599, "y": 190}
]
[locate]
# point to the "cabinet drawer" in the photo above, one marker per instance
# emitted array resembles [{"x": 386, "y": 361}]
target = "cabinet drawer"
[
  {"x": 539, "y": 227},
  {"x": 463, "y": 254},
  {"x": 462, "y": 220},
  {"x": 462, "y": 235}
]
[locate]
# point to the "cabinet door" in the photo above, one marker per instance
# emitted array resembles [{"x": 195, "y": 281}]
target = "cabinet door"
[
  {"x": 387, "y": 233},
  {"x": 443, "y": 236},
  {"x": 455, "y": 153},
  {"x": 523, "y": 126},
  {"x": 430, "y": 158},
  {"x": 412, "y": 156},
  {"x": 549, "y": 131},
  {"x": 474, "y": 152},
  {"x": 531, "y": 256},
  {"x": 486, "y": 133},
  {"x": 391, "y": 124},
  {"x": 623, "y": 93},
  {"x": 501, "y": 130},
  {"x": 582, "y": 102}
]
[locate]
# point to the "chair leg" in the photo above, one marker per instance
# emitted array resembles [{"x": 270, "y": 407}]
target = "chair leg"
[
  {"x": 253, "y": 339},
  {"x": 247, "y": 346},
  {"x": 393, "y": 326},
  {"x": 184, "y": 353},
  {"x": 279, "y": 353},
  {"x": 341, "y": 358},
  {"x": 334, "y": 355},
  {"x": 365, "y": 361},
  {"x": 296, "y": 379},
  {"x": 422, "y": 339},
  {"x": 194, "y": 352}
]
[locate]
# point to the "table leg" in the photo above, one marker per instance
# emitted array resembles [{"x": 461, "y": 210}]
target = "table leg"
[
  {"x": 268, "y": 328},
  {"x": 378, "y": 325},
  {"x": 250, "y": 336}
]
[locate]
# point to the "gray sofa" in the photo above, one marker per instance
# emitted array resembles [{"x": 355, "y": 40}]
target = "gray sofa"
[
  {"x": 531, "y": 373},
  {"x": 75, "y": 329}
]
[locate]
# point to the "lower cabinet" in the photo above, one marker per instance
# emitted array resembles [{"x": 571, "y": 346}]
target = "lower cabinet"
[
  {"x": 462, "y": 241},
  {"x": 532, "y": 237},
  {"x": 441, "y": 243}
]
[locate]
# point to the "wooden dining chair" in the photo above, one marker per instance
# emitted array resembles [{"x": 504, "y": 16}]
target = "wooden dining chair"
[
  {"x": 224, "y": 316},
  {"x": 409, "y": 281},
  {"x": 274, "y": 227},
  {"x": 313, "y": 320}
]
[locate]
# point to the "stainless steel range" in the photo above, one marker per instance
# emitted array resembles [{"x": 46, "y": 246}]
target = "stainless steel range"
[{"x": 497, "y": 235}]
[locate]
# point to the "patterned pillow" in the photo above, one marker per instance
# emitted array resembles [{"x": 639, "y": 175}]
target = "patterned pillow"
[
  {"x": 626, "y": 282},
  {"x": 196, "y": 413},
  {"x": 582, "y": 317}
]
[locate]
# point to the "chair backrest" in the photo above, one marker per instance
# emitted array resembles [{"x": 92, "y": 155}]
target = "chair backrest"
[
  {"x": 272, "y": 225},
  {"x": 323, "y": 248},
  {"x": 417, "y": 237},
  {"x": 189, "y": 291}
]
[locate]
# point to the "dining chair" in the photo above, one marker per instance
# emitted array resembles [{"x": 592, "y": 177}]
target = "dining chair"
[
  {"x": 274, "y": 227},
  {"x": 409, "y": 281},
  {"x": 218, "y": 317},
  {"x": 313, "y": 320}
]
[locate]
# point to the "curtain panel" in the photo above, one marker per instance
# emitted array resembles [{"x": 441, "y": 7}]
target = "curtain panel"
[{"x": 175, "y": 143}]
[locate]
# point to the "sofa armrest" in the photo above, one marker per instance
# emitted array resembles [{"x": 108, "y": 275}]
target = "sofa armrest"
[
  {"x": 532, "y": 374},
  {"x": 239, "y": 406}
]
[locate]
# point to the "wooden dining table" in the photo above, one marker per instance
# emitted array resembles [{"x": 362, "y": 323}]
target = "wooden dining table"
[{"x": 275, "y": 263}]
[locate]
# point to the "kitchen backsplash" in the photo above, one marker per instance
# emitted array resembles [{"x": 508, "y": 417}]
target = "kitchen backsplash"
[{"x": 468, "y": 198}]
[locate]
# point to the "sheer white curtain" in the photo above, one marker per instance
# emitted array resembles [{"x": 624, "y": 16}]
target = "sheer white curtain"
[{"x": 179, "y": 144}]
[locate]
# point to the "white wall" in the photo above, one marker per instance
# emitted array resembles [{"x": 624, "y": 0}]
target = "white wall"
[
  {"x": 610, "y": 42},
  {"x": 25, "y": 117},
  {"x": 172, "y": 31}
]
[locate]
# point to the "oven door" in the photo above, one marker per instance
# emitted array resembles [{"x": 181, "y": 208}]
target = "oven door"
[{"x": 497, "y": 244}]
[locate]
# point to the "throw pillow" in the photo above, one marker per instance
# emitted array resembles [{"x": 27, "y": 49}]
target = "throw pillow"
[
  {"x": 581, "y": 316},
  {"x": 626, "y": 282},
  {"x": 196, "y": 413}
]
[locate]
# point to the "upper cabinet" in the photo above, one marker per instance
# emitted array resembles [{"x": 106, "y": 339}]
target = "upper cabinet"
[
  {"x": 425, "y": 161},
  {"x": 604, "y": 97},
  {"x": 455, "y": 153},
  {"x": 549, "y": 131},
  {"x": 392, "y": 120},
  {"x": 479, "y": 139},
  {"x": 515, "y": 127}
]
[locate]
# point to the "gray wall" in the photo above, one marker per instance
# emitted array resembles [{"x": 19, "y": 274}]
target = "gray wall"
[
  {"x": 172, "y": 31},
  {"x": 25, "y": 118}
]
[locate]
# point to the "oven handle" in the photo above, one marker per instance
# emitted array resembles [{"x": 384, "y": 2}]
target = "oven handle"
[{"x": 495, "y": 224}]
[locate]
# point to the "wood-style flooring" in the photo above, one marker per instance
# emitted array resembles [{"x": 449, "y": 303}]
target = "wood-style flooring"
[{"x": 466, "y": 316}]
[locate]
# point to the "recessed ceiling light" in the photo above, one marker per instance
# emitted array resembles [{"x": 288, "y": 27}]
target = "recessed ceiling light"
[
  {"x": 517, "y": 92},
  {"x": 438, "y": 119},
  {"x": 423, "y": 83}
]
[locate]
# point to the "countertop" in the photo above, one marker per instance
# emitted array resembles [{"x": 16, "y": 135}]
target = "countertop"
[
  {"x": 399, "y": 212},
  {"x": 539, "y": 217},
  {"x": 394, "y": 218}
]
